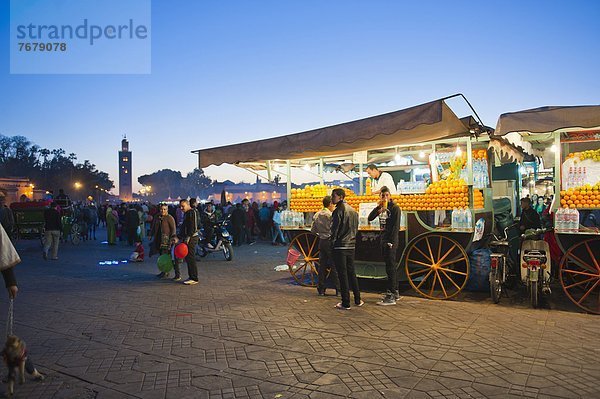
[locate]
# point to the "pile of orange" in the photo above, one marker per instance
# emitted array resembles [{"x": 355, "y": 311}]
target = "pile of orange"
[
  {"x": 306, "y": 204},
  {"x": 310, "y": 198},
  {"x": 585, "y": 197},
  {"x": 477, "y": 199}
]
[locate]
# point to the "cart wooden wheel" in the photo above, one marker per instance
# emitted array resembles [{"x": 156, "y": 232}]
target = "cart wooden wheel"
[
  {"x": 437, "y": 266},
  {"x": 580, "y": 275},
  {"x": 305, "y": 269}
]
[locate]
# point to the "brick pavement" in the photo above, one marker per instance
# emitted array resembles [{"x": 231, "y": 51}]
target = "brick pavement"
[{"x": 246, "y": 332}]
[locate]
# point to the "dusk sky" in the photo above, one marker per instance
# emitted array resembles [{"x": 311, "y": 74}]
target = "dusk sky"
[{"x": 228, "y": 72}]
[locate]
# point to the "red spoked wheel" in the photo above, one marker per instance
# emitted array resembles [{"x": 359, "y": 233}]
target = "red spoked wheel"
[
  {"x": 437, "y": 266},
  {"x": 305, "y": 269},
  {"x": 580, "y": 275}
]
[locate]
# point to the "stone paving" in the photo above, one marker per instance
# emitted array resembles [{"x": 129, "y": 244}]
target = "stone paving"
[{"x": 246, "y": 331}]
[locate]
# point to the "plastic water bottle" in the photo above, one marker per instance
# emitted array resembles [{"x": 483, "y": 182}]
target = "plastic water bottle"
[
  {"x": 575, "y": 225},
  {"x": 558, "y": 219},
  {"x": 468, "y": 219},
  {"x": 454, "y": 219}
]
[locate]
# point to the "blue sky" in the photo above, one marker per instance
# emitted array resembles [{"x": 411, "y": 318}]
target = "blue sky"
[{"x": 228, "y": 72}]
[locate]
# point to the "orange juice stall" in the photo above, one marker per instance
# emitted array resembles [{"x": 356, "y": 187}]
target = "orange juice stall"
[
  {"x": 569, "y": 139},
  {"x": 439, "y": 164}
]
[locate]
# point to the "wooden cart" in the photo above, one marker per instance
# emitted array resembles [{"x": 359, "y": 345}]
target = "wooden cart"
[{"x": 561, "y": 131}]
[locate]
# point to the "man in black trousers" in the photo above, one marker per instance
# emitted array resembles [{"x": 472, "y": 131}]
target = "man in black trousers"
[
  {"x": 189, "y": 235},
  {"x": 344, "y": 226},
  {"x": 389, "y": 221}
]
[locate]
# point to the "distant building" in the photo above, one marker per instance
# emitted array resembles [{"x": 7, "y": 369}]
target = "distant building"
[
  {"x": 125, "y": 185},
  {"x": 14, "y": 189},
  {"x": 236, "y": 192}
]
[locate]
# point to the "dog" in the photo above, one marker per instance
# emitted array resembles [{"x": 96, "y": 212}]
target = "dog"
[{"x": 15, "y": 358}]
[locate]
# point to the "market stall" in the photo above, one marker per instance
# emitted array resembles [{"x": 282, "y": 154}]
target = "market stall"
[
  {"x": 569, "y": 139},
  {"x": 442, "y": 170}
]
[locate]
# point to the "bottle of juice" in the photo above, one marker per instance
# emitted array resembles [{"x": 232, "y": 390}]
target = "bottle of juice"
[{"x": 368, "y": 186}]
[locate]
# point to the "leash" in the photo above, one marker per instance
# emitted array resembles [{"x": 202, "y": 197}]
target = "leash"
[{"x": 10, "y": 318}]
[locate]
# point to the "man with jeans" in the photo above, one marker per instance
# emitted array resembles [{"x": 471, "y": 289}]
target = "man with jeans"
[
  {"x": 189, "y": 235},
  {"x": 344, "y": 226},
  {"x": 52, "y": 227},
  {"x": 389, "y": 221}
]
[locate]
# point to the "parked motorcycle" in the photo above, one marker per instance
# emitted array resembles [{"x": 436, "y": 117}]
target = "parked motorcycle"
[
  {"x": 221, "y": 241},
  {"x": 535, "y": 264}
]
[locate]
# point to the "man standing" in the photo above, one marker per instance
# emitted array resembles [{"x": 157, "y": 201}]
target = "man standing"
[
  {"x": 238, "y": 222},
  {"x": 189, "y": 235},
  {"x": 389, "y": 221},
  {"x": 249, "y": 226},
  {"x": 164, "y": 235},
  {"x": 344, "y": 226},
  {"x": 380, "y": 179},
  {"x": 132, "y": 221},
  {"x": 322, "y": 228},
  {"x": 52, "y": 231},
  {"x": 6, "y": 217}
]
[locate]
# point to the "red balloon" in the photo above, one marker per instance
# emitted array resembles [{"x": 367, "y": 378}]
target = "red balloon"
[{"x": 181, "y": 251}]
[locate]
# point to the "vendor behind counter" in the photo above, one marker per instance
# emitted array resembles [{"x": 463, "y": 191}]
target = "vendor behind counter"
[{"x": 380, "y": 179}]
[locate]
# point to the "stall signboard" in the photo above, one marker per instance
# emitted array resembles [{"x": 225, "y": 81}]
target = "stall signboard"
[{"x": 580, "y": 137}]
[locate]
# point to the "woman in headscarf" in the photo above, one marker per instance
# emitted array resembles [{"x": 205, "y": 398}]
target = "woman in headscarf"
[{"x": 111, "y": 226}]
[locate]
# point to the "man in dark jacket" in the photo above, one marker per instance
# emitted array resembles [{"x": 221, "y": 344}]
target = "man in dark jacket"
[
  {"x": 132, "y": 221},
  {"x": 52, "y": 226},
  {"x": 238, "y": 223},
  {"x": 189, "y": 235},
  {"x": 389, "y": 221},
  {"x": 344, "y": 226},
  {"x": 530, "y": 219}
]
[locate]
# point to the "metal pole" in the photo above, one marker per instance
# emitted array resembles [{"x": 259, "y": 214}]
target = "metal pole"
[
  {"x": 321, "y": 173},
  {"x": 360, "y": 179},
  {"x": 557, "y": 171},
  {"x": 289, "y": 181}
]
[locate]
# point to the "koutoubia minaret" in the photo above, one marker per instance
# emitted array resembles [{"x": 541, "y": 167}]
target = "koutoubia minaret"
[{"x": 125, "y": 187}]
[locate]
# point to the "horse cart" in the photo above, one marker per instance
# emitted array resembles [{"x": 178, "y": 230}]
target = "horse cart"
[{"x": 29, "y": 219}]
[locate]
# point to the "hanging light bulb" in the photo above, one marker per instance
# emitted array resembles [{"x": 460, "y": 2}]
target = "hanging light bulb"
[
  {"x": 398, "y": 159},
  {"x": 422, "y": 154},
  {"x": 306, "y": 167},
  {"x": 553, "y": 148},
  {"x": 458, "y": 151}
]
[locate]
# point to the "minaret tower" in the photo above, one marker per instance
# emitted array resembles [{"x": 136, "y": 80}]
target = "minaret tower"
[{"x": 125, "y": 186}]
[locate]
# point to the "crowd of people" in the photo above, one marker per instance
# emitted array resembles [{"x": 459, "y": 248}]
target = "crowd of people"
[{"x": 159, "y": 226}]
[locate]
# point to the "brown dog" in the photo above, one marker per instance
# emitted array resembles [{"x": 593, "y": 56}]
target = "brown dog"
[{"x": 15, "y": 358}]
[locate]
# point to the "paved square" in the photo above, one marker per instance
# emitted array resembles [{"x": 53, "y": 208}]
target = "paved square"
[{"x": 246, "y": 331}]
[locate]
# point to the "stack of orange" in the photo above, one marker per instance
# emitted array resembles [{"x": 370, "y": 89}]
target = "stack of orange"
[
  {"x": 477, "y": 199},
  {"x": 310, "y": 198},
  {"x": 306, "y": 204},
  {"x": 355, "y": 200},
  {"x": 584, "y": 197}
]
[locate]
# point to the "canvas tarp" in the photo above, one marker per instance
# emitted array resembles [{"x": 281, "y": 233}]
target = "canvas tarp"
[
  {"x": 426, "y": 122},
  {"x": 548, "y": 119}
]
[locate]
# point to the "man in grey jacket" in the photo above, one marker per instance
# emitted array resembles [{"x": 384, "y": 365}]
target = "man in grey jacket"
[
  {"x": 344, "y": 226},
  {"x": 322, "y": 228}
]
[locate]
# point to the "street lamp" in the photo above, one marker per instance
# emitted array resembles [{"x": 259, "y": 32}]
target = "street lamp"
[{"x": 77, "y": 185}]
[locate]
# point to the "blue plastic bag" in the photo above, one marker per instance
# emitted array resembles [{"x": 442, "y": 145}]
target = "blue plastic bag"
[{"x": 479, "y": 270}]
